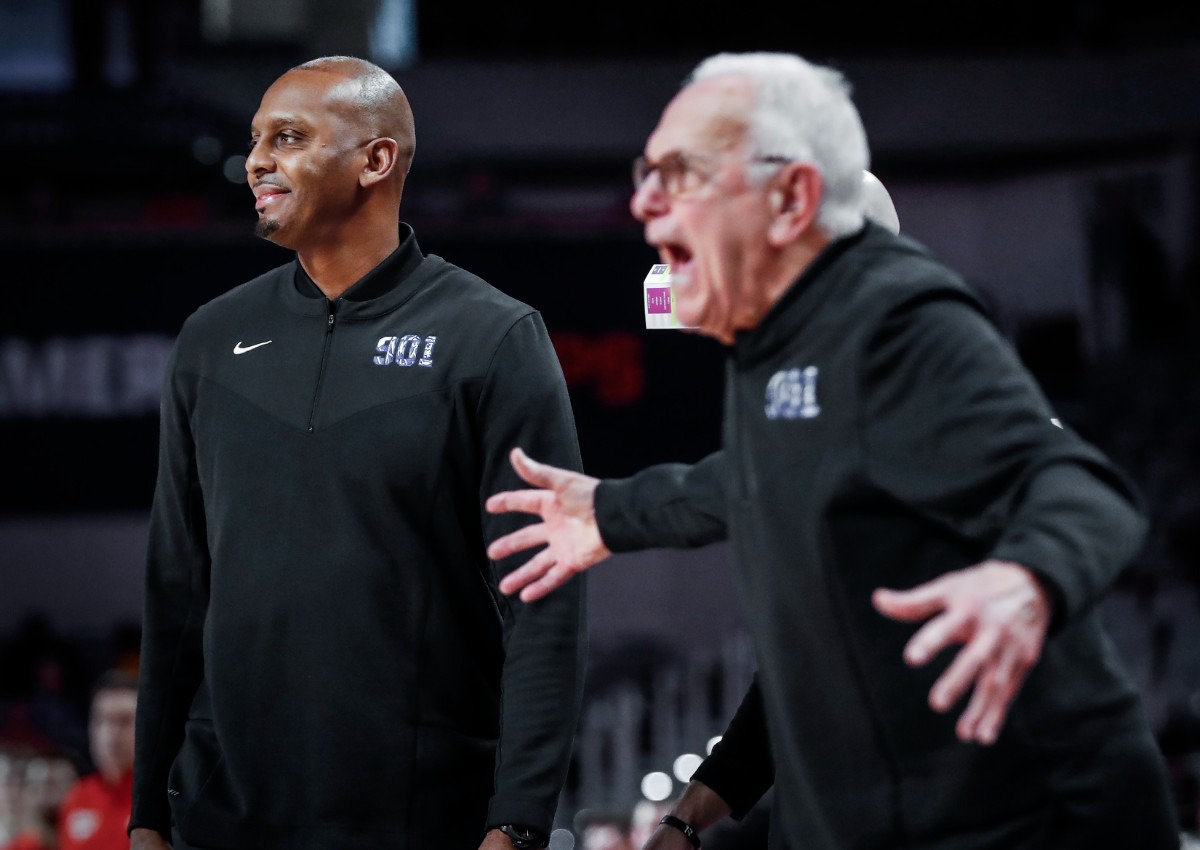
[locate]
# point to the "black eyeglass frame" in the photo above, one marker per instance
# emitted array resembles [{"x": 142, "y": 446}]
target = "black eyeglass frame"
[{"x": 674, "y": 167}]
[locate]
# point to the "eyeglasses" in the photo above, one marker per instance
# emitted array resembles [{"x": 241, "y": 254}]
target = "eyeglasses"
[{"x": 680, "y": 173}]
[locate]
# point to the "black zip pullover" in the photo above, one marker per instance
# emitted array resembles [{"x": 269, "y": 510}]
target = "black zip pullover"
[
  {"x": 879, "y": 431},
  {"x": 327, "y": 662}
]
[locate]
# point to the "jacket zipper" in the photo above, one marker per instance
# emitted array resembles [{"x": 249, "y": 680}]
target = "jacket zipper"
[{"x": 312, "y": 414}]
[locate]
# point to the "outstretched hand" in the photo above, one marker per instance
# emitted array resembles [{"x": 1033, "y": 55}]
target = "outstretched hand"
[
  {"x": 1000, "y": 612},
  {"x": 565, "y": 502}
]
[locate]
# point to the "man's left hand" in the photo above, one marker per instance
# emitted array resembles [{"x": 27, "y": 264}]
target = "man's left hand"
[{"x": 1000, "y": 612}]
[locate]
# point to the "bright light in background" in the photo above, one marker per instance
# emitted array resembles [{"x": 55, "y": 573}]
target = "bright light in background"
[
  {"x": 393, "y": 34},
  {"x": 235, "y": 169},
  {"x": 712, "y": 742},
  {"x": 685, "y": 766},
  {"x": 656, "y": 786},
  {"x": 216, "y": 18}
]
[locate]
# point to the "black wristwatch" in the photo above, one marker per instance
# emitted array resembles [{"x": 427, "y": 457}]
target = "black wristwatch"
[{"x": 524, "y": 838}]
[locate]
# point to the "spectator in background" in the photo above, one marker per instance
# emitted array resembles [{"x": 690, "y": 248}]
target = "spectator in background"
[
  {"x": 42, "y": 694},
  {"x": 126, "y": 642},
  {"x": 95, "y": 812},
  {"x": 53, "y": 710},
  {"x": 34, "y": 787}
]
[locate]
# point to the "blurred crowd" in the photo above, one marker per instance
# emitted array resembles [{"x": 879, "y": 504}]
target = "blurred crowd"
[{"x": 67, "y": 713}]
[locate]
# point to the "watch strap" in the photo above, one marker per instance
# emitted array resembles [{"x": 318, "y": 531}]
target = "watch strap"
[{"x": 684, "y": 827}]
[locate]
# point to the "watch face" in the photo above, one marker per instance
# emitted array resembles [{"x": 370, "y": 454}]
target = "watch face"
[{"x": 524, "y": 839}]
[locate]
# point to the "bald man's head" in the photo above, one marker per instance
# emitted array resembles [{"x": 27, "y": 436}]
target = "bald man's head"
[
  {"x": 331, "y": 144},
  {"x": 372, "y": 99}
]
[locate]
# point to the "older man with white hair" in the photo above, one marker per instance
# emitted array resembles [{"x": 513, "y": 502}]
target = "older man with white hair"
[{"x": 879, "y": 433}]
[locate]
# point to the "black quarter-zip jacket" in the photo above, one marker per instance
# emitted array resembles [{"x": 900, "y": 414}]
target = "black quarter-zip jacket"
[
  {"x": 879, "y": 431},
  {"x": 327, "y": 662}
]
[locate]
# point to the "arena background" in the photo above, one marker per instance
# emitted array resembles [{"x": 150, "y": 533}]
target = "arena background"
[{"x": 1048, "y": 150}]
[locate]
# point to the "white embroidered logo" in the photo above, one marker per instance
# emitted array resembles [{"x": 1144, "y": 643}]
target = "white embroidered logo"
[
  {"x": 792, "y": 394},
  {"x": 402, "y": 351},
  {"x": 242, "y": 349}
]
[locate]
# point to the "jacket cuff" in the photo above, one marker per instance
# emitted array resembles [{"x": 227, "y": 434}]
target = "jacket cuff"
[
  {"x": 608, "y": 504},
  {"x": 524, "y": 812},
  {"x": 156, "y": 824}
]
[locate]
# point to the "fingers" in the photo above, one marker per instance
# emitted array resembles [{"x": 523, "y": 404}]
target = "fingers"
[
  {"x": 523, "y": 538},
  {"x": 537, "y": 578},
  {"x": 994, "y": 663},
  {"x": 994, "y": 692},
  {"x": 555, "y": 577},
  {"x": 538, "y": 474},
  {"x": 529, "y": 572},
  {"x": 999, "y": 612},
  {"x": 523, "y": 501},
  {"x": 962, "y": 672},
  {"x": 954, "y": 626},
  {"x": 909, "y": 605}
]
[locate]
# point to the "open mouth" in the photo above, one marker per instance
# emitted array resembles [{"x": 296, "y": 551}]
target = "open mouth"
[{"x": 675, "y": 255}]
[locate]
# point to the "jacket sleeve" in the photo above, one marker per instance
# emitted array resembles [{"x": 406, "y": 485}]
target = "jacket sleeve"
[
  {"x": 958, "y": 429},
  {"x": 176, "y": 598},
  {"x": 740, "y": 768},
  {"x": 524, "y": 403},
  {"x": 672, "y": 505}
]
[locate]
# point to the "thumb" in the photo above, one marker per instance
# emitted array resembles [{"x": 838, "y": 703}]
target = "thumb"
[{"x": 540, "y": 475}]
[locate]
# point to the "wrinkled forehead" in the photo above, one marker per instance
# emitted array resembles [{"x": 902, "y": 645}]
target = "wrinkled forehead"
[{"x": 709, "y": 116}]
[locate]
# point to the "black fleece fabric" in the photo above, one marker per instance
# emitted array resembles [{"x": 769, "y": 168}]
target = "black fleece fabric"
[
  {"x": 879, "y": 431},
  {"x": 326, "y": 660}
]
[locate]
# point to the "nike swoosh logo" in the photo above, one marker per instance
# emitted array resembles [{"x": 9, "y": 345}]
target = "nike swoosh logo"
[{"x": 240, "y": 349}]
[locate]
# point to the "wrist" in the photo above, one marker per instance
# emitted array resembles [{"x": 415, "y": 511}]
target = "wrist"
[
  {"x": 683, "y": 826},
  {"x": 524, "y": 838},
  {"x": 700, "y": 806}
]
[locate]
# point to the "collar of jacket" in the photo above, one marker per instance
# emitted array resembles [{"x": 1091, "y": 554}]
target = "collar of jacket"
[
  {"x": 835, "y": 267},
  {"x": 379, "y": 291}
]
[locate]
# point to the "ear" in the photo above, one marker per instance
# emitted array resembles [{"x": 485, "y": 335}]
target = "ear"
[
  {"x": 794, "y": 200},
  {"x": 381, "y": 161}
]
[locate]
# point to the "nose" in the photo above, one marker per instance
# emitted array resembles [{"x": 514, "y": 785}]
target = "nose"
[
  {"x": 649, "y": 199},
  {"x": 258, "y": 160}
]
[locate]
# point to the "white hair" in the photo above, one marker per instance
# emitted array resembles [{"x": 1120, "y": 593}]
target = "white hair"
[{"x": 804, "y": 112}]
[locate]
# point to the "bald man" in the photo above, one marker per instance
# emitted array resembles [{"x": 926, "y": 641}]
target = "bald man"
[{"x": 327, "y": 662}]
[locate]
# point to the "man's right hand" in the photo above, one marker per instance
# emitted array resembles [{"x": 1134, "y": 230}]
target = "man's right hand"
[
  {"x": 566, "y": 505},
  {"x": 700, "y": 807},
  {"x": 147, "y": 839}
]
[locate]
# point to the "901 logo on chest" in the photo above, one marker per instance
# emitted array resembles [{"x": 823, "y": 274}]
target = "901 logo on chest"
[{"x": 402, "y": 350}]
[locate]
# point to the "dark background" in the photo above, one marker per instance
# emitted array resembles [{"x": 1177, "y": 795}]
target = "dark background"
[{"x": 1047, "y": 150}]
